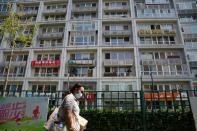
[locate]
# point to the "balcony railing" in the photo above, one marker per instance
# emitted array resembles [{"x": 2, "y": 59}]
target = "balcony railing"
[
  {"x": 156, "y": 15},
  {"x": 191, "y": 45},
  {"x": 160, "y": 43},
  {"x": 82, "y": 43},
  {"x": 188, "y": 20},
  {"x": 84, "y": 9},
  {"x": 116, "y": 16},
  {"x": 82, "y": 62},
  {"x": 187, "y": 11},
  {"x": 54, "y": 19},
  {"x": 128, "y": 62},
  {"x": 166, "y": 74},
  {"x": 117, "y": 74},
  {"x": 81, "y": 74},
  {"x": 51, "y": 35},
  {"x": 74, "y": 17},
  {"x": 156, "y": 32},
  {"x": 16, "y": 63},
  {"x": 126, "y": 7},
  {"x": 45, "y": 74},
  {"x": 117, "y": 44},
  {"x": 193, "y": 63},
  {"x": 190, "y": 36},
  {"x": 12, "y": 75},
  {"x": 29, "y": 12},
  {"x": 46, "y": 45},
  {"x": 59, "y": 10},
  {"x": 162, "y": 61},
  {"x": 117, "y": 32}
]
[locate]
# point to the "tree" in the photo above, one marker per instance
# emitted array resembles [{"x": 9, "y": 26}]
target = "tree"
[{"x": 12, "y": 29}]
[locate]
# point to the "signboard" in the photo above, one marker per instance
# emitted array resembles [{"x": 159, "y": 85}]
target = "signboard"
[
  {"x": 46, "y": 63},
  {"x": 23, "y": 113},
  {"x": 163, "y": 96}
]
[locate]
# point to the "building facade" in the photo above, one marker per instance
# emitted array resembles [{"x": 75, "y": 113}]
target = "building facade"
[
  {"x": 107, "y": 45},
  {"x": 187, "y": 12}
]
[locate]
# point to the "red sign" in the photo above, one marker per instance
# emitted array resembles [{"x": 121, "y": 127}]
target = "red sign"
[
  {"x": 162, "y": 96},
  {"x": 46, "y": 63}
]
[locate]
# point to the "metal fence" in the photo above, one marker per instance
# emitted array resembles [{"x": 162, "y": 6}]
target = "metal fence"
[{"x": 171, "y": 100}]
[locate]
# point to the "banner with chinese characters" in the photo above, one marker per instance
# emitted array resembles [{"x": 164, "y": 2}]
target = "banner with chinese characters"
[
  {"x": 46, "y": 63},
  {"x": 23, "y": 113}
]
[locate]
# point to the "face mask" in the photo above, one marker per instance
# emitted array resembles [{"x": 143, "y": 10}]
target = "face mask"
[{"x": 78, "y": 95}]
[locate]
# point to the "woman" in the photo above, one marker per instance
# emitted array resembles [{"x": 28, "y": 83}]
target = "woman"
[{"x": 70, "y": 107}]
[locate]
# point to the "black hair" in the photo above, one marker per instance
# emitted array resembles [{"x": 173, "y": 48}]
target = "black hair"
[{"x": 76, "y": 86}]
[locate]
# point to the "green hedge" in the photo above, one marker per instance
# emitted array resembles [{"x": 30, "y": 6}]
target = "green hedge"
[{"x": 133, "y": 121}]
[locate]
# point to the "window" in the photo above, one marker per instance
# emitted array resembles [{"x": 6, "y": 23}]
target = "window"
[
  {"x": 142, "y": 40},
  {"x": 160, "y": 71},
  {"x": 125, "y": 27},
  {"x": 126, "y": 39},
  {"x": 106, "y": 4},
  {"x": 152, "y": 27},
  {"x": 106, "y": 27},
  {"x": 156, "y": 55},
  {"x": 107, "y": 69},
  {"x": 107, "y": 56}
]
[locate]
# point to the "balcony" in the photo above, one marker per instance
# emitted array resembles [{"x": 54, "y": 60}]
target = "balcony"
[
  {"x": 117, "y": 44},
  {"x": 55, "y": 11},
  {"x": 89, "y": 74},
  {"x": 190, "y": 36},
  {"x": 172, "y": 14},
  {"x": 74, "y": 17},
  {"x": 188, "y": 20},
  {"x": 29, "y": 12},
  {"x": 12, "y": 75},
  {"x": 116, "y": 33},
  {"x": 16, "y": 63},
  {"x": 193, "y": 64},
  {"x": 120, "y": 8},
  {"x": 166, "y": 74},
  {"x": 84, "y": 9},
  {"x": 82, "y": 43},
  {"x": 192, "y": 45},
  {"x": 187, "y": 11},
  {"x": 46, "y": 45},
  {"x": 82, "y": 62},
  {"x": 128, "y": 62},
  {"x": 162, "y": 61},
  {"x": 51, "y": 35},
  {"x": 117, "y": 74},
  {"x": 116, "y": 16},
  {"x": 156, "y": 32},
  {"x": 45, "y": 74},
  {"x": 54, "y": 19}
]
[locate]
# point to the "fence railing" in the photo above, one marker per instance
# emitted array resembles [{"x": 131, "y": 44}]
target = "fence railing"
[{"x": 171, "y": 100}]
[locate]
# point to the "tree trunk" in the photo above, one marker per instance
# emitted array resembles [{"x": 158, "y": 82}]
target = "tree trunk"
[{"x": 9, "y": 66}]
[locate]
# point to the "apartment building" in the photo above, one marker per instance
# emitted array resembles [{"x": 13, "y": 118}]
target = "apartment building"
[
  {"x": 187, "y": 12},
  {"x": 107, "y": 45}
]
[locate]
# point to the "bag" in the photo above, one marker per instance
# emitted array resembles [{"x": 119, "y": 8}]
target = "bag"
[
  {"x": 82, "y": 121},
  {"x": 49, "y": 125}
]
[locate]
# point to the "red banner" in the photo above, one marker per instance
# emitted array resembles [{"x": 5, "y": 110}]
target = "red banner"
[{"x": 46, "y": 63}]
